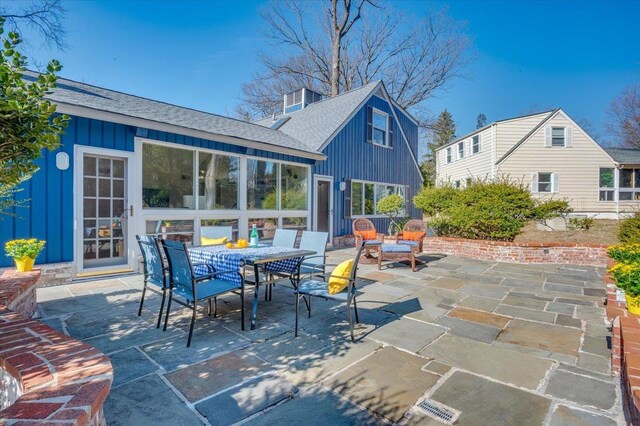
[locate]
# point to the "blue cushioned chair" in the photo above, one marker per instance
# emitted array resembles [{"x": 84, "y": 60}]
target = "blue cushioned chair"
[
  {"x": 155, "y": 272},
  {"x": 193, "y": 288},
  {"x": 318, "y": 286}
]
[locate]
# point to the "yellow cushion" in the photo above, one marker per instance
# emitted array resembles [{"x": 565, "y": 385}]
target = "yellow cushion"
[
  {"x": 339, "y": 279},
  {"x": 212, "y": 241}
]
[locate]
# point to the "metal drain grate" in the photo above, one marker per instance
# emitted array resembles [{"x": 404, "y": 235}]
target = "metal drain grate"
[{"x": 438, "y": 411}]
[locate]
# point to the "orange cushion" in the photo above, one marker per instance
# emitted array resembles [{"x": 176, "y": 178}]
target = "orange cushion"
[
  {"x": 412, "y": 235},
  {"x": 367, "y": 235}
]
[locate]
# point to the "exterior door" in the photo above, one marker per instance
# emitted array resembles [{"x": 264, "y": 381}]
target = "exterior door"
[
  {"x": 104, "y": 212},
  {"x": 323, "y": 205}
]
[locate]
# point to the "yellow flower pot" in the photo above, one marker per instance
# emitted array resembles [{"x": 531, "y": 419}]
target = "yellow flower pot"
[
  {"x": 633, "y": 304},
  {"x": 25, "y": 264}
]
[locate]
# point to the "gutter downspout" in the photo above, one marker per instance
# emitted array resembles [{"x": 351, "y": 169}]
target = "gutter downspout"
[{"x": 616, "y": 184}]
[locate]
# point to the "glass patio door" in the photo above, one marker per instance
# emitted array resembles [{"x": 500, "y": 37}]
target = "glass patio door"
[{"x": 104, "y": 211}]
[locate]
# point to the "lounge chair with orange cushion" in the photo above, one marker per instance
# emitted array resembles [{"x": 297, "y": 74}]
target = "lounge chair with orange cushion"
[
  {"x": 413, "y": 233},
  {"x": 365, "y": 231}
]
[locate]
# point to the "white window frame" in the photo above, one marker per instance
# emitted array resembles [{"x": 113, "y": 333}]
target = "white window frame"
[
  {"x": 564, "y": 137},
  {"x": 460, "y": 150},
  {"x": 475, "y": 139},
  {"x": 449, "y": 155},
  {"x": 375, "y": 111},
  {"x": 375, "y": 197},
  {"x": 611, "y": 189},
  {"x": 242, "y": 213},
  {"x": 552, "y": 189}
]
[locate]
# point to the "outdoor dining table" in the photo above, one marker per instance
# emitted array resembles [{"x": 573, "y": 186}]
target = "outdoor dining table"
[{"x": 269, "y": 258}]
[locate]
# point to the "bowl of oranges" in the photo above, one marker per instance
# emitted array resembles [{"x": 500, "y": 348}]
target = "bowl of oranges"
[{"x": 240, "y": 244}]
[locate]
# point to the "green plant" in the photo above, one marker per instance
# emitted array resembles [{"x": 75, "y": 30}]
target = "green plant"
[
  {"x": 18, "y": 249},
  {"x": 625, "y": 253},
  {"x": 630, "y": 230},
  {"x": 545, "y": 210},
  {"x": 29, "y": 123},
  {"x": 433, "y": 200},
  {"x": 391, "y": 206},
  {"x": 627, "y": 277},
  {"x": 583, "y": 223}
]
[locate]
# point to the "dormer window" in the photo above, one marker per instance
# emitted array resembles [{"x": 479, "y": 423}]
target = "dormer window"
[{"x": 380, "y": 128}]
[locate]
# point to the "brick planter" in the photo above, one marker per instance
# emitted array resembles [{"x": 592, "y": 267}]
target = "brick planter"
[{"x": 53, "y": 378}]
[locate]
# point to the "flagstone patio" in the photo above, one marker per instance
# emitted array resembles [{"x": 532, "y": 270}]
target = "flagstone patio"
[{"x": 499, "y": 343}]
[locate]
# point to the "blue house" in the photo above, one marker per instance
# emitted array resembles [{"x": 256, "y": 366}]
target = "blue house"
[{"x": 129, "y": 165}]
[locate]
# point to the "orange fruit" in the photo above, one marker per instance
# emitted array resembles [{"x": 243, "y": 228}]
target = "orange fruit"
[{"x": 229, "y": 245}]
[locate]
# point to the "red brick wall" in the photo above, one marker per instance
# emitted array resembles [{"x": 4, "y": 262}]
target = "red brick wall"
[{"x": 62, "y": 380}]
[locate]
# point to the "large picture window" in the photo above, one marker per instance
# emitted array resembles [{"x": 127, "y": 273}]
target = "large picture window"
[
  {"x": 293, "y": 187},
  {"x": 365, "y": 196},
  {"x": 167, "y": 177},
  {"x": 262, "y": 185},
  {"x": 218, "y": 177}
]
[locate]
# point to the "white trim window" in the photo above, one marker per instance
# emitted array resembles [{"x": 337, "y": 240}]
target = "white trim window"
[
  {"x": 545, "y": 182},
  {"x": 449, "y": 155},
  {"x": 607, "y": 184},
  {"x": 558, "y": 137},
  {"x": 629, "y": 180},
  {"x": 365, "y": 196},
  {"x": 380, "y": 128},
  {"x": 475, "y": 144},
  {"x": 460, "y": 150}
]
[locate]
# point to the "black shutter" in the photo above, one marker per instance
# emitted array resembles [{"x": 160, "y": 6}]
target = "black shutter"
[
  {"x": 347, "y": 199},
  {"x": 390, "y": 131},
  {"x": 369, "y": 124}
]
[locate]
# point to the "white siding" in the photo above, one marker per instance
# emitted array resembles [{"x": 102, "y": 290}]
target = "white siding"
[
  {"x": 510, "y": 132},
  {"x": 472, "y": 165},
  {"x": 577, "y": 166}
]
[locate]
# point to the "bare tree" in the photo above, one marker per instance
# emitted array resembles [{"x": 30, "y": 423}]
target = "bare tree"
[
  {"x": 43, "y": 16},
  {"x": 624, "y": 114},
  {"x": 413, "y": 56}
]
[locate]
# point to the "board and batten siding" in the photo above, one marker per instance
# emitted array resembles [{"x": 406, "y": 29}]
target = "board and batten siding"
[
  {"x": 510, "y": 132},
  {"x": 471, "y": 166},
  {"x": 48, "y": 195},
  {"x": 350, "y": 156},
  {"x": 578, "y": 166}
]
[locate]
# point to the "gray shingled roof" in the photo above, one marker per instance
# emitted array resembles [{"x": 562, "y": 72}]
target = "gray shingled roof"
[
  {"x": 97, "y": 98},
  {"x": 624, "y": 155},
  {"x": 317, "y": 122}
]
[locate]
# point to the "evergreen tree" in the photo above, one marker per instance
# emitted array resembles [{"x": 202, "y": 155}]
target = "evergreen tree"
[
  {"x": 443, "y": 131},
  {"x": 481, "y": 121}
]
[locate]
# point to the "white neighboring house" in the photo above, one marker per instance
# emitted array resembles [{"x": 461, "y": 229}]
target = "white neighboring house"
[{"x": 555, "y": 156}]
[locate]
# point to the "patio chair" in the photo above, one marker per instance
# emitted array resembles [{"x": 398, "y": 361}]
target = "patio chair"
[
  {"x": 193, "y": 288},
  {"x": 217, "y": 232},
  {"x": 320, "y": 288},
  {"x": 155, "y": 271},
  {"x": 365, "y": 231},
  {"x": 413, "y": 233},
  {"x": 285, "y": 238}
]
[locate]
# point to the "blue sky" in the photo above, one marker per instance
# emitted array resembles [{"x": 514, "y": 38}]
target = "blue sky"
[{"x": 526, "y": 56}]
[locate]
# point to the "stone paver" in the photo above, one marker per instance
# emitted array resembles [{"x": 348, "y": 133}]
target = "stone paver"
[
  {"x": 564, "y": 415},
  {"x": 553, "y": 338},
  {"x": 483, "y": 402},
  {"x": 582, "y": 390},
  {"x": 497, "y": 341},
  {"x": 206, "y": 378},
  {"x": 243, "y": 401},
  {"x": 388, "y": 382},
  {"x": 501, "y": 364},
  {"x": 147, "y": 401}
]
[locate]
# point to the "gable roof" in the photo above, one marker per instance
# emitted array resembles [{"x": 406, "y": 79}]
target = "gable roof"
[
  {"x": 317, "y": 122},
  {"x": 69, "y": 93},
  {"x": 528, "y": 135},
  {"x": 624, "y": 155},
  {"x": 468, "y": 135}
]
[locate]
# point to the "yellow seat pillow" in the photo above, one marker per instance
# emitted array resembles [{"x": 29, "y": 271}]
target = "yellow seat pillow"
[
  {"x": 339, "y": 279},
  {"x": 212, "y": 241}
]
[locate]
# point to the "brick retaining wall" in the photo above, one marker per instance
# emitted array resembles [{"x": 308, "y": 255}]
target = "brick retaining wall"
[
  {"x": 504, "y": 251},
  {"x": 61, "y": 381}
]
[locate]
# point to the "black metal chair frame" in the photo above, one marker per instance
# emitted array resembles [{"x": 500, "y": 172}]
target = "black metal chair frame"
[
  {"x": 195, "y": 280},
  {"x": 351, "y": 291}
]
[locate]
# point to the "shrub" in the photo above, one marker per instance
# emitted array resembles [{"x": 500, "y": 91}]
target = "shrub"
[
  {"x": 583, "y": 223},
  {"x": 627, "y": 276},
  {"x": 630, "y": 230},
  {"x": 485, "y": 209},
  {"x": 391, "y": 206},
  {"x": 434, "y": 200},
  {"x": 625, "y": 253}
]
